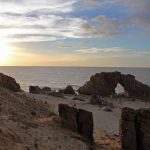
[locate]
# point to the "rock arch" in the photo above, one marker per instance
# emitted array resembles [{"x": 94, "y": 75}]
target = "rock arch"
[{"x": 104, "y": 84}]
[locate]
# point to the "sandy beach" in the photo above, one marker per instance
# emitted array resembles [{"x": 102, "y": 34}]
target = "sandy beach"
[{"x": 104, "y": 122}]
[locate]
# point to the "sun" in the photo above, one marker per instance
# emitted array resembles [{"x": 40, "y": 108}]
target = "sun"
[{"x": 5, "y": 52}]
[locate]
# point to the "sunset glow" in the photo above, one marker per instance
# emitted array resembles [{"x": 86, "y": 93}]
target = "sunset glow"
[{"x": 5, "y": 53}]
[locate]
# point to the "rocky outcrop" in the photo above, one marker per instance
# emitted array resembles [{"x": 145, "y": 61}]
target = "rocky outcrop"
[
  {"x": 104, "y": 84},
  {"x": 68, "y": 90},
  {"x": 80, "y": 121},
  {"x": 135, "y": 129},
  {"x": 9, "y": 83}
]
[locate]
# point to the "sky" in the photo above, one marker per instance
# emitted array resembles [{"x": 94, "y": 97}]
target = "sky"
[{"x": 92, "y": 33}]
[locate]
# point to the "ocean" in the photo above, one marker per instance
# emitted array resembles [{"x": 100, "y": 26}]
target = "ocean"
[{"x": 60, "y": 77}]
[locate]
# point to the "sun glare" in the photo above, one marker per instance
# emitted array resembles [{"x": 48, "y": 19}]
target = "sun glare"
[{"x": 5, "y": 51}]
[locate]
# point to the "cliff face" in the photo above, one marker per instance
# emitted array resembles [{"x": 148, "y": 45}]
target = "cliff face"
[
  {"x": 9, "y": 83},
  {"x": 104, "y": 84}
]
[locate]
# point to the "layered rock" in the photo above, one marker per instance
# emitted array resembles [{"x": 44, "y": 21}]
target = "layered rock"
[
  {"x": 9, "y": 83},
  {"x": 135, "y": 129},
  {"x": 104, "y": 84}
]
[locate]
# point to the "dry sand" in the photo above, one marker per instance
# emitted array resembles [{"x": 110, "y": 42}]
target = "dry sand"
[{"x": 104, "y": 122}]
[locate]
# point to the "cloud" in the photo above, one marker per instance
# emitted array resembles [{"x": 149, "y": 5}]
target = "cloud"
[
  {"x": 39, "y": 20},
  {"x": 140, "y": 17},
  {"x": 103, "y": 26},
  {"x": 101, "y": 50}
]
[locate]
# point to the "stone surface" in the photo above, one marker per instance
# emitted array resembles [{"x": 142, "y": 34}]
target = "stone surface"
[
  {"x": 135, "y": 129},
  {"x": 68, "y": 116},
  {"x": 85, "y": 124},
  {"x": 68, "y": 90},
  {"x": 35, "y": 90},
  {"x": 46, "y": 89},
  {"x": 80, "y": 121},
  {"x": 143, "y": 128},
  {"x": 127, "y": 129},
  {"x": 104, "y": 84},
  {"x": 9, "y": 83}
]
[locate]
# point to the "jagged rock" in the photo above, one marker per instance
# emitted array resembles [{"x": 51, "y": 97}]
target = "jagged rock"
[
  {"x": 35, "y": 90},
  {"x": 68, "y": 90},
  {"x": 104, "y": 84},
  {"x": 9, "y": 83},
  {"x": 68, "y": 116},
  {"x": 85, "y": 124}
]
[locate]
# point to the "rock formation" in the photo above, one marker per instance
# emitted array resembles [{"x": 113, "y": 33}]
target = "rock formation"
[
  {"x": 104, "y": 84},
  {"x": 35, "y": 90},
  {"x": 80, "y": 121},
  {"x": 9, "y": 83},
  {"x": 68, "y": 90},
  {"x": 135, "y": 129}
]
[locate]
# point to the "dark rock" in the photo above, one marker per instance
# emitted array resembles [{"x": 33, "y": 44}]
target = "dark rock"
[
  {"x": 95, "y": 100},
  {"x": 128, "y": 130},
  {"x": 35, "y": 90},
  {"x": 104, "y": 84},
  {"x": 9, "y": 83},
  {"x": 101, "y": 84},
  {"x": 68, "y": 116},
  {"x": 46, "y": 89},
  {"x": 143, "y": 129},
  {"x": 135, "y": 129},
  {"x": 85, "y": 124},
  {"x": 80, "y": 121},
  {"x": 68, "y": 90}
]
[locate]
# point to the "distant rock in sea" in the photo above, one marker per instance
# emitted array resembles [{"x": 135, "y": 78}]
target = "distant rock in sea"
[
  {"x": 9, "y": 83},
  {"x": 104, "y": 84}
]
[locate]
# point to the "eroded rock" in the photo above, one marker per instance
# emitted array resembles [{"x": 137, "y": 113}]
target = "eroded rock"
[
  {"x": 104, "y": 84},
  {"x": 9, "y": 83}
]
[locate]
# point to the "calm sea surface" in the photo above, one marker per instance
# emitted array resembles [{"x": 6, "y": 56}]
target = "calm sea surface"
[{"x": 59, "y": 77}]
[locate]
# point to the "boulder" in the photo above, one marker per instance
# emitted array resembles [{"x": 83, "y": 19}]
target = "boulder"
[
  {"x": 68, "y": 117},
  {"x": 68, "y": 90},
  {"x": 9, "y": 83},
  {"x": 35, "y": 90},
  {"x": 46, "y": 89}
]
